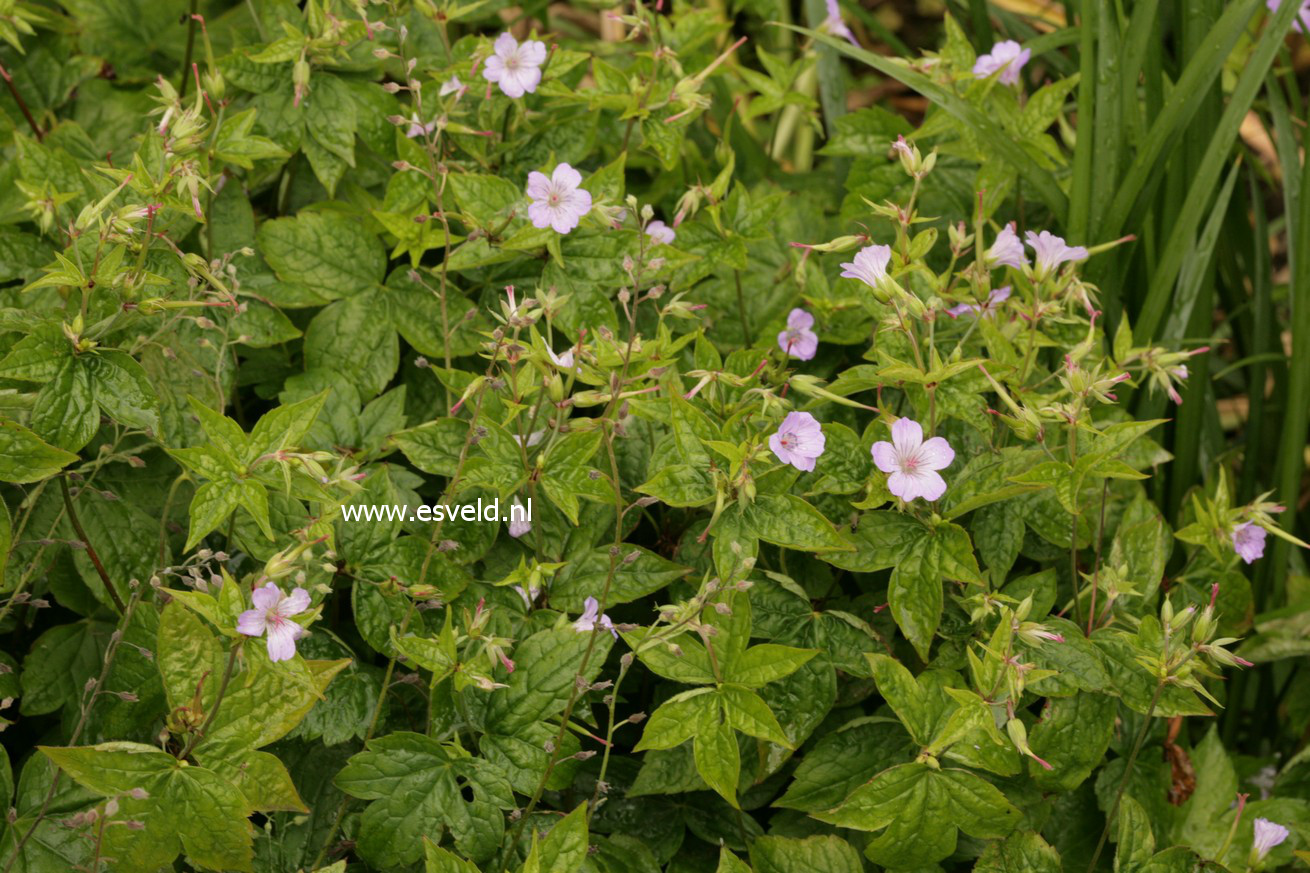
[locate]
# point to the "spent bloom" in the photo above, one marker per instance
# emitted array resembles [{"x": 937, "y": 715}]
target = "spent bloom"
[
  {"x": 1249, "y": 541},
  {"x": 1267, "y": 835},
  {"x": 1302, "y": 20},
  {"x": 564, "y": 360},
  {"x": 518, "y": 521},
  {"x": 1051, "y": 251},
  {"x": 272, "y": 616},
  {"x": 912, "y": 463},
  {"x": 515, "y": 67},
  {"x": 798, "y": 341},
  {"x": 557, "y": 201},
  {"x": 1007, "y": 57},
  {"x": 591, "y": 617},
  {"x": 870, "y": 265},
  {"x": 836, "y": 26},
  {"x": 660, "y": 233},
  {"x": 994, "y": 301},
  {"x": 418, "y": 128},
  {"x": 1006, "y": 250},
  {"x": 799, "y": 441},
  {"x": 452, "y": 86}
]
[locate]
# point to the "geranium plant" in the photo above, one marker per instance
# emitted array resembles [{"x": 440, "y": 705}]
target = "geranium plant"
[{"x": 459, "y": 437}]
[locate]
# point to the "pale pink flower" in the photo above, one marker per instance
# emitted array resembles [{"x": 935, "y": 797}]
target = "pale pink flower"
[
  {"x": 902, "y": 148},
  {"x": 1051, "y": 251},
  {"x": 912, "y": 463},
  {"x": 660, "y": 233},
  {"x": 591, "y": 617},
  {"x": 798, "y": 341},
  {"x": 452, "y": 86},
  {"x": 1006, "y": 250},
  {"x": 564, "y": 360},
  {"x": 994, "y": 301},
  {"x": 557, "y": 201},
  {"x": 1249, "y": 541},
  {"x": 870, "y": 265},
  {"x": 799, "y": 441},
  {"x": 836, "y": 26},
  {"x": 1007, "y": 57},
  {"x": 417, "y": 128},
  {"x": 516, "y": 68},
  {"x": 1301, "y": 21},
  {"x": 1267, "y": 835},
  {"x": 272, "y": 616},
  {"x": 530, "y": 440},
  {"x": 518, "y": 521}
]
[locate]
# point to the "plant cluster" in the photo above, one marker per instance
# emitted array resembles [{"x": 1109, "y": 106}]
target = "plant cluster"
[{"x": 845, "y": 547}]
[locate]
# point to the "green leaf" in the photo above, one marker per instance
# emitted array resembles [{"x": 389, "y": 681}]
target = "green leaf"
[
  {"x": 438, "y": 860},
  {"x": 546, "y": 664},
  {"x": 357, "y": 329},
  {"x": 844, "y": 760},
  {"x": 830, "y": 854},
  {"x": 1072, "y": 736},
  {"x": 235, "y": 143},
  {"x": 1136, "y": 841},
  {"x": 25, "y": 457},
  {"x": 564, "y": 847},
  {"x": 434, "y": 447},
  {"x": 419, "y": 787},
  {"x": 920, "y": 808},
  {"x": 486, "y": 199},
  {"x": 210, "y": 507},
  {"x": 123, "y": 389},
  {"x": 188, "y": 809},
  {"x": 788, "y": 521},
  {"x": 718, "y": 759},
  {"x": 330, "y": 254},
  {"x": 633, "y": 577},
  {"x": 1020, "y": 852},
  {"x": 765, "y": 663},
  {"x": 680, "y": 485},
  {"x": 66, "y": 413}
]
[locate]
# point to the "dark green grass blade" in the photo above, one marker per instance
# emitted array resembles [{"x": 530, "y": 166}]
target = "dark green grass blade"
[
  {"x": 1176, "y": 112},
  {"x": 1207, "y": 174}
]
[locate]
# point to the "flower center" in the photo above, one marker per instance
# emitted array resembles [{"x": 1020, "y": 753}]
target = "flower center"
[
  {"x": 788, "y": 441},
  {"x": 910, "y": 463},
  {"x": 554, "y": 198}
]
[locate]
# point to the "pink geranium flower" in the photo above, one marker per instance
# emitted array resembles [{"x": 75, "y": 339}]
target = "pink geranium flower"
[
  {"x": 1266, "y": 835},
  {"x": 660, "y": 233},
  {"x": 1007, "y": 57},
  {"x": 516, "y": 68},
  {"x": 518, "y": 520},
  {"x": 836, "y": 26},
  {"x": 799, "y": 441},
  {"x": 911, "y": 463},
  {"x": 798, "y": 341},
  {"x": 869, "y": 266},
  {"x": 1051, "y": 251},
  {"x": 272, "y": 616},
  {"x": 1249, "y": 541},
  {"x": 557, "y": 201},
  {"x": 994, "y": 301},
  {"x": 1006, "y": 250},
  {"x": 1302, "y": 20},
  {"x": 591, "y": 617}
]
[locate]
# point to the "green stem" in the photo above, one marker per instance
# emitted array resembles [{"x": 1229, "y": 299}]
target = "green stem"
[
  {"x": 1128, "y": 772},
  {"x": 90, "y": 549}
]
